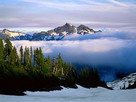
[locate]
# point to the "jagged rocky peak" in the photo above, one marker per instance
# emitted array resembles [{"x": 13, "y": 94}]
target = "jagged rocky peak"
[
  {"x": 82, "y": 29},
  {"x": 63, "y": 30},
  {"x": 68, "y": 24},
  {"x": 67, "y": 29}
]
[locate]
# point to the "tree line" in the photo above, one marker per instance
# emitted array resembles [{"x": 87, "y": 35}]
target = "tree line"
[{"x": 29, "y": 69}]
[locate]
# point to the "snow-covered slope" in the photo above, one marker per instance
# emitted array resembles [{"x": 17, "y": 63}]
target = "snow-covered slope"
[
  {"x": 124, "y": 82},
  {"x": 75, "y": 95},
  {"x": 12, "y": 33}
]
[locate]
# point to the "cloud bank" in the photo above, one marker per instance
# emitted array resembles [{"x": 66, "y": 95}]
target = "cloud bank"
[{"x": 113, "y": 51}]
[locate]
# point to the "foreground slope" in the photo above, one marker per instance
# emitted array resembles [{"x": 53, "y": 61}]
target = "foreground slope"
[{"x": 75, "y": 95}]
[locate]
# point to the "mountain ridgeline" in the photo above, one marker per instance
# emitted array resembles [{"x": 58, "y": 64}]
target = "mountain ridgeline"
[
  {"x": 31, "y": 70},
  {"x": 54, "y": 34}
]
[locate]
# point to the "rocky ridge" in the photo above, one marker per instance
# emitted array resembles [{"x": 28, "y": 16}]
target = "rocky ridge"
[{"x": 57, "y": 33}]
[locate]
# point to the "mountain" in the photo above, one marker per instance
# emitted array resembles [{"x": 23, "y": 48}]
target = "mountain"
[
  {"x": 5, "y": 33},
  {"x": 123, "y": 83},
  {"x": 63, "y": 30},
  {"x": 55, "y": 34},
  {"x": 11, "y": 33},
  {"x": 82, "y": 29},
  {"x": 23, "y": 37},
  {"x": 60, "y": 32}
]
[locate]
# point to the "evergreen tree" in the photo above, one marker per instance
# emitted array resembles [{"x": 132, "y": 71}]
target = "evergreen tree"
[
  {"x": 14, "y": 56},
  {"x": 7, "y": 50},
  {"x": 31, "y": 56},
  {"x": 94, "y": 77},
  {"x": 21, "y": 54},
  {"x": 36, "y": 57},
  {"x": 40, "y": 61},
  {"x": 90, "y": 78},
  {"x": 43, "y": 69},
  {"x": 26, "y": 57},
  {"x": 1, "y": 50},
  {"x": 54, "y": 69},
  {"x": 49, "y": 63},
  {"x": 60, "y": 65}
]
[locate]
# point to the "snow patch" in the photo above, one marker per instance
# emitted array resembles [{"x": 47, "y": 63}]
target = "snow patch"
[{"x": 124, "y": 82}]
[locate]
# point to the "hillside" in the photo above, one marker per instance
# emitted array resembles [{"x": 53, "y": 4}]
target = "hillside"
[{"x": 124, "y": 82}]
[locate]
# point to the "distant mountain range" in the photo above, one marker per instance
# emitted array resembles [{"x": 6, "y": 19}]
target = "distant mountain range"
[{"x": 54, "y": 34}]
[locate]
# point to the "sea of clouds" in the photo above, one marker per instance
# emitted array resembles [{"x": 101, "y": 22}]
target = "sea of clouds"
[{"x": 111, "y": 50}]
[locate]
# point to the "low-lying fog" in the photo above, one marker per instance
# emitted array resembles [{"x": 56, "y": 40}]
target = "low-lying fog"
[{"x": 111, "y": 50}]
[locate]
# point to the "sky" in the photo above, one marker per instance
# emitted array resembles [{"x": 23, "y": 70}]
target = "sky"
[{"x": 52, "y": 13}]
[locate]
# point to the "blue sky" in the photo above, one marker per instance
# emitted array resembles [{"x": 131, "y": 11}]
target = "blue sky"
[{"x": 51, "y": 13}]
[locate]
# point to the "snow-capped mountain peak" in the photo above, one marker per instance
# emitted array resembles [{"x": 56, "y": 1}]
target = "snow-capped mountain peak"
[{"x": 62, "y": 31}]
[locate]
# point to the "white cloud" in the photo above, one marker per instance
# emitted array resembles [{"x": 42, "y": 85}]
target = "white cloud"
[
  {"x": 118, "y": 3},
  {"x": 90, "y": 6}
]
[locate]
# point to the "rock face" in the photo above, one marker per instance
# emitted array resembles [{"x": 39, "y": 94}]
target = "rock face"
[
  {"x": 82, "y": 29},
  {"x": 55, "y": 34},
  {"x": 63, "y": 30}
]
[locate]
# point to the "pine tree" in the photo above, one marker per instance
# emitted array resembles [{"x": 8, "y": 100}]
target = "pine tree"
[
  {"x": 14, "y": 56},
  {"x": 7, "y": 50},
  {"x": 35, "y": 57},
  {"x": 26, "y": 57},
  {"x": 31, "y": 56},
  {"x": 21, "y": 54},
  {"x": 84, "y": 73},
  {"x": 1, "y": 50},
  {"x": 60, "y": 65},
  {"x": 54, "y": 69},
  {"x": 40, "y": 61},
  {"x": 94, "y": 78},
  {"x": 49, "y": 63}
]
